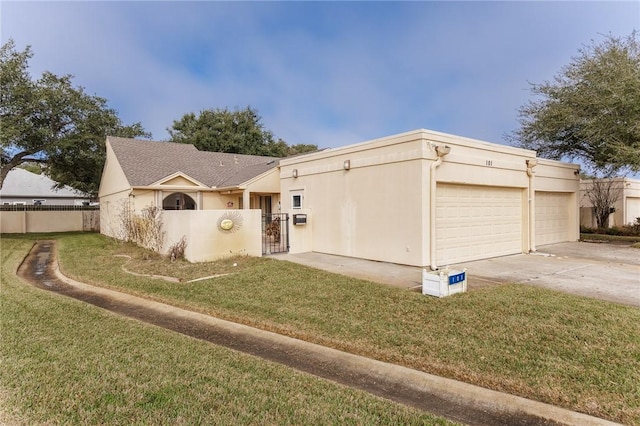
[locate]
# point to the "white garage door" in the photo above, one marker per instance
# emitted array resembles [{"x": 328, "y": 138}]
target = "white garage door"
[
  {"x": 633, "y": 209},
  {"x": 477, "y": 222},
  {"x": 552, "y": 217}
]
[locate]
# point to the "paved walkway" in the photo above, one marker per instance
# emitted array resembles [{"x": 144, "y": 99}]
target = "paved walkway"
[
  {"x": 409, "y": 277},
  {"x": 602, "y": 271},
  {"x": 455, "y": 400}
]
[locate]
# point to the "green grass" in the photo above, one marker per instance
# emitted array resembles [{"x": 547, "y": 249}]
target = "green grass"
[
  {"x": 66, "y": 362},
  {"x": 610, "y": 238},
  {"x": 574, "y": 352}
]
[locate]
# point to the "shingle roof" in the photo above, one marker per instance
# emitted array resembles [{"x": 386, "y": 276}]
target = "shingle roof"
[
  {"x": 23, "y": 183},
  {"x": 146, "y": 162}
]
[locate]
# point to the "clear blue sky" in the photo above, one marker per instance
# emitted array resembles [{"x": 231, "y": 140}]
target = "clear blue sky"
[{"x": 328, "y": 73}]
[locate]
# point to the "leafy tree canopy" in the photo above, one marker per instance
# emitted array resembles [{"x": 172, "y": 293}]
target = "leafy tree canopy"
[
  {"x": 239, "y": 132},
  {"x": 50, "y": 121},
  {"x": 591, "y": 109}
]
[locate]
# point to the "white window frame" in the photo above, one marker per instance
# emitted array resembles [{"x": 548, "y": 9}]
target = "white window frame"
[{"x": 298, "y": 194}]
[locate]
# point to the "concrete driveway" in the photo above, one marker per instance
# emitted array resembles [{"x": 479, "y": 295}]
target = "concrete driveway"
[
  {"x": 603, "y": 271},
  {"x": 598, "y": 270}
]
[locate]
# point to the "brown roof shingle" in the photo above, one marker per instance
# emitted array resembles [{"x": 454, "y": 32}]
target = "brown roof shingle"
[{"x": 146, "y": 162}]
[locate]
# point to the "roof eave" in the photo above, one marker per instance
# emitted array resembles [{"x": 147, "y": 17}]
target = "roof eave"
[{"x": 176, "y": 188}]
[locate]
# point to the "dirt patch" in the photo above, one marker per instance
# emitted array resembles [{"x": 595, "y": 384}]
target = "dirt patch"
[{"x": 384, "y": 380}]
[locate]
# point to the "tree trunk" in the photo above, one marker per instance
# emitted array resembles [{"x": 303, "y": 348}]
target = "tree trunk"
[
  {"x": 15, "y": 161},
  {"x": 602, "y": 217}
]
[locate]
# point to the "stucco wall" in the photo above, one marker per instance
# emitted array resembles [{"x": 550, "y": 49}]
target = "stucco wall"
[
  {"x": 140, "y": 199},
  {"x": 206, "y": 241},
  {"x": 13, "y": 222},
  {"x": 113, "y": 179},
  {"x": 20, "y": 222},
  {"x": 300, "y": 236},
  {"x": 111, "y": 207},
  {"x": 216, "y": 201},
  {"x": 556, "y": 176},
  {"x": 373, "y": 210}
]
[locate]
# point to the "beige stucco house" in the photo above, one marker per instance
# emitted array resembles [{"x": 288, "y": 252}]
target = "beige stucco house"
[
  {"x": 425, "y": 198},
  {"x": 197, "y": 186},
  {"x": 626, "y": 208},
  {"x": 420, "y": 198}
]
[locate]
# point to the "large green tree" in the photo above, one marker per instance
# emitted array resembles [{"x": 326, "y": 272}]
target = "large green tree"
[
  {"x": 591, "y": 109},
  {"x": 239, "y": 131},
  {"x": 48, "y": 120}
]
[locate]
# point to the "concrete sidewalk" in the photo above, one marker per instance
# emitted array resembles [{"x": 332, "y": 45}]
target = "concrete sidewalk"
[
  {"x": 602, "y": 271},
  {"x": 403, "y": 276}
]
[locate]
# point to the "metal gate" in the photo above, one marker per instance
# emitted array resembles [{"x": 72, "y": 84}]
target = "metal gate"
[{"x": 275, "y": 233}]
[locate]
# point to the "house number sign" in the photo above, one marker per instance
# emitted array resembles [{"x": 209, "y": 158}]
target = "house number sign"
[{"x": 457, "y": 278}]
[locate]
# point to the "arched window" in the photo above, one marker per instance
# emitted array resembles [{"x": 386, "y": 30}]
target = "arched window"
[{"x": 178, "y": 201}]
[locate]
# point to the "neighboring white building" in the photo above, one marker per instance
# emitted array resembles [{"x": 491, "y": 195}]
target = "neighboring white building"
[
  {"x": 625, "y": 210},
  {"x": 22, "y": 187}
]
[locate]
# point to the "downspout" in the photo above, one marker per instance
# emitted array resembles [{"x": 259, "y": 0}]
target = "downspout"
[
  {"x": 441, "y": 151},
  {"x": 532, "y": 205}
]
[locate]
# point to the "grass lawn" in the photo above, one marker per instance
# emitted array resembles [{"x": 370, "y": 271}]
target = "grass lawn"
[
  {"x": 66, "y": 362},
  {"x": 574, "y": 352}
]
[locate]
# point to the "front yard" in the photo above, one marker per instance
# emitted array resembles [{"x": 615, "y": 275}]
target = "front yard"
[{"x": 578, "y": 353}]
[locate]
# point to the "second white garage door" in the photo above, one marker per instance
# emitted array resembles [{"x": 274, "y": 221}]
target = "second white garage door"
[
  {"x": 477, "y": 222},
  {"x": 552, "y": 217},
  {"x": 632, "y": 209}
]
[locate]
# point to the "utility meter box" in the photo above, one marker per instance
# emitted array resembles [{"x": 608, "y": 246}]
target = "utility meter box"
[
  {"x": 299, "y": 219},
  {"x": 444, "y": 282}
]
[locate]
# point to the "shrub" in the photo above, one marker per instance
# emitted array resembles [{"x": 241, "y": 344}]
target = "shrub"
[
  {"x": 176, "y": 251},
  {"x": 144, "y": 229},
  {"x": 626, "y": 230}
]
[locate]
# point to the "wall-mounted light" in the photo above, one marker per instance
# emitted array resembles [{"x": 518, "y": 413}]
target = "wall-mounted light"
[
  {"x": 347, "y": 164},
  {"x": 532, "y": 163},
  {"x": 442, "y": 150},
  {"x": 294, "y": 173}
]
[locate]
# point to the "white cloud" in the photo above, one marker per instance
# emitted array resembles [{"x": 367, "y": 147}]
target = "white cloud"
[{"x": 326, "y": 73}]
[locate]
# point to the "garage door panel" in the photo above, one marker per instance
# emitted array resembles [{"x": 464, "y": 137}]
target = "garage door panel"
[
  {"x": 477, "y": 222},
  {"x": 632, "y": 209},
  {"x": 552, "y": 217}
]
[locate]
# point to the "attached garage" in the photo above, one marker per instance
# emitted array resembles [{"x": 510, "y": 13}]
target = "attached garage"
[
  {"x": 428, "y": 199},
  {"x": 553, "y": 219},
  {"x": 476, "y": 222}
]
